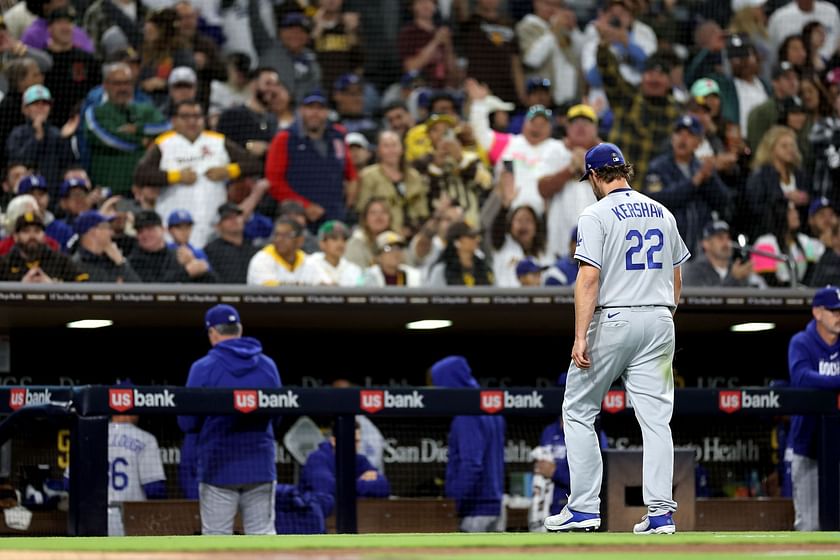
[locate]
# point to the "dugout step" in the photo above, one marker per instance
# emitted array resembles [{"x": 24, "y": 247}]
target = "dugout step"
[{"x": 621, "y": 492}]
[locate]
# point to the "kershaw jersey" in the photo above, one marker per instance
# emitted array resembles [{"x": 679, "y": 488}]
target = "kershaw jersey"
[
  {"x": 133, "y": 460},
  {"x": 634, "y": 242}
]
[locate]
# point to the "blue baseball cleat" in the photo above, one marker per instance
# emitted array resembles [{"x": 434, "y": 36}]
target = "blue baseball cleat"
[
  {"x": 570, "y": 520},
  {"x": 656, "y": 525}
]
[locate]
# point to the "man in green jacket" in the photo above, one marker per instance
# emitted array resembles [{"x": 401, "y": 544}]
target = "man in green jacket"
[{"x": 119, "y": 129}]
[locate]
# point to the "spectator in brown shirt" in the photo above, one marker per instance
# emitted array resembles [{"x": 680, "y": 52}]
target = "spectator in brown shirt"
[{"x": 426, "y": 47}]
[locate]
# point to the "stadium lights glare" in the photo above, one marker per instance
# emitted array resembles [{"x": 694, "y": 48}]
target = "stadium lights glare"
[
  {"x": 90, "y": 324},
  {"x": 428, "y": 324},
  {"x": 752, "y": 327}
]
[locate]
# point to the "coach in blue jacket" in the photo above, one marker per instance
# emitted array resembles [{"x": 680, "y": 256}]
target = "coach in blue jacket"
[
  {"x": 475, "y": 469},
  {"x": 318, "y": 475},
  {"x": 235, "y": 453},
  {"x": 814, "y": 362}
]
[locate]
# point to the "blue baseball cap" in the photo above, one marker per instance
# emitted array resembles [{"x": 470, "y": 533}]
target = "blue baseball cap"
[
  {"x": 816, "y": 205},
  {"x": 828, "y": 297},
  {"x": 68, "y": 184},
  {"x": 537, "y": 82},
  {"x": 178, "y": 217},
  {"x": 315, "y": 96},
  {"x": 715, "y": 227},
  {"x": 221, "y": 315},
  {"x": 90, "y": 219},
  {"x": 528, "y": 266},
  {"x": 30, "y": 183},
  {"x": 689, "y": 123},
  {"x": 600, "y": 156},
  {"x": 346, "y": 80},
  {"x": 409, "y": 77},
  {"x": 296, "y": 19}
]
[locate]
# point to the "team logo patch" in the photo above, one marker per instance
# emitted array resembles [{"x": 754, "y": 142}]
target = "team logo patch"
[
  {"x": 17, "y": 398},
  {"x": 121, "y": 399},
  {"x": 729, "y": 401},
  {"x": 372, "y": 401},
  {"x": 492, "y": 401},
  {"x": 245, "y": 401},
  {"x": 614, "y": 402}
]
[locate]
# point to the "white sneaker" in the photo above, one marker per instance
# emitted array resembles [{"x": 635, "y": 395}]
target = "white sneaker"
[
  {"x": 656, "y": 525},
  {"x": 569, "y": 520}
]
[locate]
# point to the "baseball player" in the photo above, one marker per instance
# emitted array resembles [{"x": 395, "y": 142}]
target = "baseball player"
[
  {"x": 135, "y": 470},
  {"x": 814, "y": 363},
  {"x": 629, "y": 252}
]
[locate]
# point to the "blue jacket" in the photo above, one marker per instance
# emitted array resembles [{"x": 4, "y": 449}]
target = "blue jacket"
[
  {"x": 554, "y": 436},
  {"x": 187, "y": 468},
  {"x": 475, "y": 470},
  {"x": 815, "y": 365},
  {"x": 296, "y": 512},
  {"x": 318, "y": 477},
  {"x": 691, "y": 206},
  {"x": 234, "y": 449}
]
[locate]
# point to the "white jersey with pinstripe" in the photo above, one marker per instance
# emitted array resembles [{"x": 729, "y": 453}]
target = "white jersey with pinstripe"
[{"x": 635, "y": 243}]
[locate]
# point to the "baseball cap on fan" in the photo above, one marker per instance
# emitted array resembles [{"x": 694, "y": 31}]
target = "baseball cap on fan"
[
  {"x": 600, "y": 156},
  {"x": 221, "y": 314},
  {"x": 828, "y": 297}
]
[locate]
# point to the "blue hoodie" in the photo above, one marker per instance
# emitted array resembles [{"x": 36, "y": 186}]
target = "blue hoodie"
[
  {"x": 234, "y": 449},
  {"x": 318, "y": 477},
  {"x": 475, "y": 470},
  {"x": 815, "y": 365}
]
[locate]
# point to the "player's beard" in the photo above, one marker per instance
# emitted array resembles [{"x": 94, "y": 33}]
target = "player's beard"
[{"x": 596, "y": 190}]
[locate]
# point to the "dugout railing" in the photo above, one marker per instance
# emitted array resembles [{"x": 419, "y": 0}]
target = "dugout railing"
[{"x": 90, "y": 407}]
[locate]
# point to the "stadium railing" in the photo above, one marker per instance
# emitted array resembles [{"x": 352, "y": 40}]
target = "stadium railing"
[{"x": 90, "y": 408}]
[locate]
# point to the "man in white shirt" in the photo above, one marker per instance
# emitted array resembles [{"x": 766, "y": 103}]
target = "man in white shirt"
[
  {"x": 750, "y": 90},
  {"x": 194, "y": 165},
  {"x": 331, "y": 266},
  {"x": 550, "y": 42},
  {"x": 791, "y": 18},
  {"x": 529, "y": 156},
  {"x": 135, "y": 469},
  {"x": 282, "y": 262},
  {"x": 566, "y": 195}
]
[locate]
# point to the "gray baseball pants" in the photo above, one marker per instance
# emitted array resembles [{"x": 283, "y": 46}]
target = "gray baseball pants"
[
  {"x": 219, "y": 504},
  {"x": 805, "y": 475},
  {"x": 636, "y": 344}
]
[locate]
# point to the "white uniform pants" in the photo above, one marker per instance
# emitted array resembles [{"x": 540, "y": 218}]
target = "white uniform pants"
[
  {"x": 805, "y": 475},
  {"x": 636, "y": 344},
  {"x": 219, "y": 504}
]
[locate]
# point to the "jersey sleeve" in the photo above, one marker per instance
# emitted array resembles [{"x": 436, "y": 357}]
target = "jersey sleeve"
[
  {"x": 590, "y": 241},
  {"x": 678, "y": 249},
  {"x": 151, "y": 466}
]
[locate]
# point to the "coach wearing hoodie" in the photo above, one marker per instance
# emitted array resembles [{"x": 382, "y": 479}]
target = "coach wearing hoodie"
[
  {"x": 814, "y": 364},
  {"x": 235, "y": 453},
  {"x": 476, "y": 467}
]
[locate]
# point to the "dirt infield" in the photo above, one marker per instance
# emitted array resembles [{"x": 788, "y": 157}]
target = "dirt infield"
[{"x": 819, "y": 550}]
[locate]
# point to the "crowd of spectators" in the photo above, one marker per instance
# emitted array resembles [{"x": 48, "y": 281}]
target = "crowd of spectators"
[{"x": 415, "y": 143}]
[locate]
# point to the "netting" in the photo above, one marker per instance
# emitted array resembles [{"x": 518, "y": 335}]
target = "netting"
[
  {"x": 372, "y": 127},
  {"x": 410, "y": 457}
]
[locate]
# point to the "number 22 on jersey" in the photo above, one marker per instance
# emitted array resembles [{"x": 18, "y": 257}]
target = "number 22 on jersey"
[{"x": 651, "y": 242}]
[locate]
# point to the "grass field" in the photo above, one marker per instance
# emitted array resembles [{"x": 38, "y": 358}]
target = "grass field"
[{"x": 591, "y": 546}]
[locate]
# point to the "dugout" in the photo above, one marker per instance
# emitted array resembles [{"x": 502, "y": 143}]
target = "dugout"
[{"x": 512, "y": 338}]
